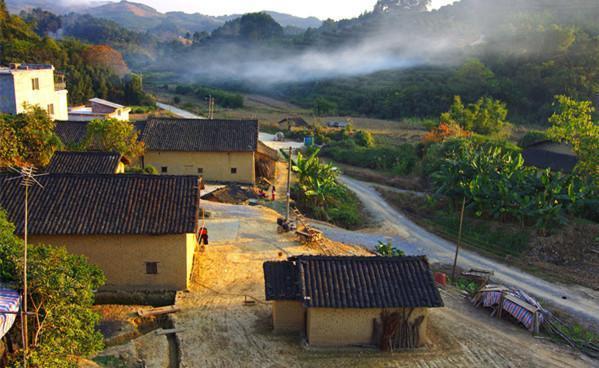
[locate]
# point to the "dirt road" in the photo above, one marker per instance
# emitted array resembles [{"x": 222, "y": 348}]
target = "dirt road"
[
  {"x": 220, "y": 331},
  {"x": 579, "y": 301}
]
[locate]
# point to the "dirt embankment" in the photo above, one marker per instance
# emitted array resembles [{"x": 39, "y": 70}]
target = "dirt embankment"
[{"x": 222, "y": 331}]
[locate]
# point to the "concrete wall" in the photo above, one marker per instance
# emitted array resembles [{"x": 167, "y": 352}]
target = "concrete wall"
[
  {"x": 344, "y": 327},
  {"x": 288, "y": 316},
  {"x": 216, "y": 165},
  {"x": 22, "y": 92},
  {"x": 123, "y": 258}
]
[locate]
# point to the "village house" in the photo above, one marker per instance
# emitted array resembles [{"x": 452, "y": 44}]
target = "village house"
[
  {"x": 23, "y": 85},
  {"x": 217, "y": 150},
  {"x": 87, "y": 163},
  {"x": 140, "y": 230},
  {"x": 343, "y": 301},
  {"x": 99, "y": 109}
]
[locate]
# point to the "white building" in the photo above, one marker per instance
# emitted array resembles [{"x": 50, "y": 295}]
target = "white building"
[
  {"x": 32, "y": 84},
  {"x": 99, "y": 109}
]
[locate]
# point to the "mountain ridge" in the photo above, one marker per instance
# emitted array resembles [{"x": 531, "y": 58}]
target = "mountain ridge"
[{"x": 143, "y": 18}]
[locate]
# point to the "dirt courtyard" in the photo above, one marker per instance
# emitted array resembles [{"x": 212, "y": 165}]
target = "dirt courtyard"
[{"x": 220, "y": 331}]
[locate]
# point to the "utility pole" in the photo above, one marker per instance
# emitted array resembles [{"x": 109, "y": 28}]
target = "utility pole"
[
  {"x": 288, "y": 184},
  {"x": 27, "y": 177},
  {"x": 457, "y": 249}
]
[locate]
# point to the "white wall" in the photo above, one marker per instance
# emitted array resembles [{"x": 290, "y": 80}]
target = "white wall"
[{"x": 18, "y": 83}]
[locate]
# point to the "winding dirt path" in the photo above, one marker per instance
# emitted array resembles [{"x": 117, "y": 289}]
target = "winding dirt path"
[{"x": 576, "y": 300}]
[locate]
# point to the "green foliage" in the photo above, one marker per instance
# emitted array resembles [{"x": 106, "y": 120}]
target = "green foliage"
[
  {"x": 466, "y": 285},
  {"x": 61, "y": 293},
  {"x": 497, "y": 185},
  {"x": 400, "y": 159},
  {"x": 323, "y": 106},
  {"x": 572, "y": 122},
  {"x": 252, "y": 27},
  {"x": 221, "y": 97},
  {"x": 532, "y": 137},
  {"x": 113, "y": 135},
  {"x": 27, "y": 138},
  {"x": 364, "y": 138},
  {"x": 19, "y": 43},
  {"x": 388, "y": 250},
  {"x": 318, "y": 193},
  {"x": 487, "y": 116},
  {"x": 148, "y": 170}
]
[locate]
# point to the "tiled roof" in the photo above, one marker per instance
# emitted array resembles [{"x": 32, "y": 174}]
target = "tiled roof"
[
  {"x": 74, "y": 132},
  {"x": 550, "y": 155},
  {"x": 104, "y": 204},
  {"x": 282, "y": 282},
  {"x": 357, "y": 282},
  {"x": 71, "y": 132},
  {"x": 84, "y": 163},
  {"x": 200, "y": 135}
]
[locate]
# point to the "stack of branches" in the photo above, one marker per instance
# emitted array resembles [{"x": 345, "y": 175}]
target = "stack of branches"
[
  {"x": 560, "y": 329},
  {"x": 398, "y": 332},
  {"x": 265, "y": 169}
]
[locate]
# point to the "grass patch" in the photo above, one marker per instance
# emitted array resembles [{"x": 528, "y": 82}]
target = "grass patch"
[
  {"x": 344, "y": 210},
  {"x": 494, "y": 238}
]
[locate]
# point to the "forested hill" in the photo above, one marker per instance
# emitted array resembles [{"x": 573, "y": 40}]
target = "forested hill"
[
  {"x": 90, "y": 70},
  {"x": 398, "y": 60}
]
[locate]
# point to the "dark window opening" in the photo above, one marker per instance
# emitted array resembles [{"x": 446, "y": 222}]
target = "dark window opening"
[
  {"x": 35, "y": 84},
  {"x": 164, "y": 169},
  {"x": 233, "y": 170},
  {"x": 200, "y": 170},
  {"x": 152, "y": 268},
  {"x": 51, "y": 109}
]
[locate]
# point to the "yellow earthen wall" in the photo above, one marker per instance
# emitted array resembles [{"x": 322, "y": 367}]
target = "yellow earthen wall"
[
  {"x": 217, "y": 166},
  {"x": 345, "y": 327},
  {"x": 123, "y": 258},
  {"x": 287, "y": 316}
]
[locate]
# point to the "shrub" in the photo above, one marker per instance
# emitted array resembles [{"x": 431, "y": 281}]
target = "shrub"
[{"x": 532, "y": 137}]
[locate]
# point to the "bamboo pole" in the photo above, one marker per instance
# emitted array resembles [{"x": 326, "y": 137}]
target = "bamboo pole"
[
  {"x": 24, "y": 330},
  {"x": 288, "y": 185},
  {"x": 457, "y": 249}
]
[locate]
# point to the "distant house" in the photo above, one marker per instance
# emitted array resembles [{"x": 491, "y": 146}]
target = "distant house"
[
  {"x": 141, "y": 230},
  {"x": 337, "y": 124},
  {"x": 33, "y": 85},
  {"x": 99, "y": 109},
  {"x": 550, "y": 155},
  {"x": 338, "y": 301},
  {"x": 218, "y": 150},
  {"x": 87, "y": 163},
  {"x": 289, "y": 122}
]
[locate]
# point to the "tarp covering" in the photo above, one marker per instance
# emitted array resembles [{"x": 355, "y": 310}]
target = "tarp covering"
[{"x": 9, "y": 302}]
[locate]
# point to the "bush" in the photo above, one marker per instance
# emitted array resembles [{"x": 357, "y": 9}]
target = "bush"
[
  {"x": 532, "y": 137},
  {"x": 400, "y": 160}
]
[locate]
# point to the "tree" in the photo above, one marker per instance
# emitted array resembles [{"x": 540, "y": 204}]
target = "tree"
[
  {"x": 43, "y": 21},
  {"x": 28, "y": 138},
  {"x": 134, "y": 92},
  {"x": 572, "y": 122},
  {"x": 364, "y": 138},
  {"x": 61, "y": 293},
  {"x": 113, "y": 135},
  {"x": 322, "y": 106},
  {"x": 103, "y": 56},
  {"x": 487, "y": 116},
  {"x": 445, "y": 131}
]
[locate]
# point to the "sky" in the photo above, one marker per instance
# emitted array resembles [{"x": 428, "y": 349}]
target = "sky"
[{"x": 323, "y": 9}]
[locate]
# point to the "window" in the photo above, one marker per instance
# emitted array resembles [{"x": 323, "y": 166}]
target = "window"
[
  {"x": 233, "y": 170},
  {"x": 118, "y": 112},
  {"x": 200, "y": 170},
  {"x": 50, "y": 109},
  {"x": 151, "y": 268},
  {"x": 164, "y": 169},
  {"x": 35, "y": 84}
]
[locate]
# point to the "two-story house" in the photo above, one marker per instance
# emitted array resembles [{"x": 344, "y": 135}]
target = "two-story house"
[{"x": 32, "y": 84}]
